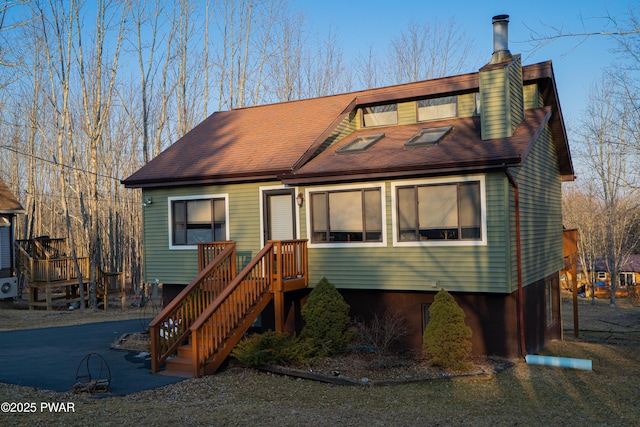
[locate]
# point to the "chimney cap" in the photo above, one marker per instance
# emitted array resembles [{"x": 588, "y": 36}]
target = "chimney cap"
[{"x": 500, "y": 39}]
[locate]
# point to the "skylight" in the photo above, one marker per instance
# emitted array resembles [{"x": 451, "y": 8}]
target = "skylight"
[
  {"x": 359, "y": 144},
  {"x": 428, "y": 136}
]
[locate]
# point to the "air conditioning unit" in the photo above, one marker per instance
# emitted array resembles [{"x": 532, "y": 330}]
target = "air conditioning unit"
[{"x": 8, "y": 287}]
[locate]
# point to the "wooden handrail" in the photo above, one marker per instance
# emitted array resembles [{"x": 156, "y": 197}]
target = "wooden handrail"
[
  {"x": 231, "y": 304},
  {"x": 291, "y": 256},
  {"x": 207, "y": 251},
  {"x": 171, "y": 327},
  {"x": 24, "y": 261},
  {"x": 223, "y": 316}
]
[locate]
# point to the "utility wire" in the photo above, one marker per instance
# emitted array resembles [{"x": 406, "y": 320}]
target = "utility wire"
[{"x": 53, "y": 162}]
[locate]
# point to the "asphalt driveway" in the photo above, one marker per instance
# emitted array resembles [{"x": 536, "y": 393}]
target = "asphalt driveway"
[{"x": 48, "y": 358}]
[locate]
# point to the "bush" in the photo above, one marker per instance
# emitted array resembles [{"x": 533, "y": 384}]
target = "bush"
[
  {"x": 326, "y": 316},
  {"x": 382, "y": 332},
  {"x": 447, "y": 339},
  {"x": 269, "y": 348},
  {"x": 273, "y": 348}
]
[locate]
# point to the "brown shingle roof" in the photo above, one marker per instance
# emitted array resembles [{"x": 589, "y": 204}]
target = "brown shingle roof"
[
  {"x": 257, "y": 142},
  {"x": 461, "y": 149},
  {"x": 268, "y": 142},
  {"x": 8, "y": 202}
]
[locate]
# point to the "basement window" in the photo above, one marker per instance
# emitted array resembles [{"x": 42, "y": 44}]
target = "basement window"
[
  {"x": 428, "y": 136},
  {"x": 359, "y": 144},
  {"x": 437, "y": 108}
]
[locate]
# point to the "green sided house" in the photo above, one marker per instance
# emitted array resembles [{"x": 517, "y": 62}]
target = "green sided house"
[{"x": 390, "y": 193}]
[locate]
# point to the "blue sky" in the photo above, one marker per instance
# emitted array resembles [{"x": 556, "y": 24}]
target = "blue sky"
[{"x": 577, "y": 63}]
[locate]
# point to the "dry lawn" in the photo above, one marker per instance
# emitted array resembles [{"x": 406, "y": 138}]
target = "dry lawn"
[{"x": 524, "y": 395}]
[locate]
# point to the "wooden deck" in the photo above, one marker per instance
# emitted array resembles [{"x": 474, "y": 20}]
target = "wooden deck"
[{"x": 54, "y": 278}]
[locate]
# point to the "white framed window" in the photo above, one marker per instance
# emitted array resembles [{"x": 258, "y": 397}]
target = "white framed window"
[
  {"x": 627, "y": 279},
  {"x": 195, "y": 219},
  {"x": 346, "y": 216},
  {"x": 602, "y": 275},
  {"x": 439, "y": 212}
]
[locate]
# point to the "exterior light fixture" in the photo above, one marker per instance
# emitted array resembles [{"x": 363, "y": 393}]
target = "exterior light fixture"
[{"x": 300, "y": 199}]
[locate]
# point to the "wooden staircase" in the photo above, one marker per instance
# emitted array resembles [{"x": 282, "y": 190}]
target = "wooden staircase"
[{"x": 196, "y": 332}]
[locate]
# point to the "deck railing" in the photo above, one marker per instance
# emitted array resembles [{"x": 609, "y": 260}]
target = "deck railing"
[
  {"x": 207, "y": 251},
  {"x": 218, "y": 322},
  {"x": 171, "y": 327},
  {"x": 39, "y": 266},
  {"x": 223, "y": 324},
  {"x": 291, "y": 258}
]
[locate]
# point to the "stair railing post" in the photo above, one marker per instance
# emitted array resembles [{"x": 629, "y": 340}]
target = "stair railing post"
[
  {"x": 278, "y": 288},
  {"x": 154, "y": 350},
  {"x": 195, "y": 354}
]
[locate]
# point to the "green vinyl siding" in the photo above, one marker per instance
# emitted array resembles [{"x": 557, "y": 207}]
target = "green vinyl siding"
[
  {"x": 348, "y": 125},
  {"x": 540, "y": 211},
  {"x": 180, "y": 266},
  {"x": 532, "y": 97},
  {"x": 406, "y": 113},
  {"x": 456, "y": 268},
  {"x": 515, "y": 97},
  {"x": 501, "y": 100},
  {"x": 467, "y": 105}
]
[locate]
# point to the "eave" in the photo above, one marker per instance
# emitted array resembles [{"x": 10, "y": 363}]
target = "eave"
[
  {"x": 200, "y": 181},
  {"x": 381, "y": 174}
]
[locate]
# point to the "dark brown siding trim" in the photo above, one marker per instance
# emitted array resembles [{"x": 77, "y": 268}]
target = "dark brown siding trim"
[
  {"x": 456, "y": 168},
  {"x": 229, "y": 179}
]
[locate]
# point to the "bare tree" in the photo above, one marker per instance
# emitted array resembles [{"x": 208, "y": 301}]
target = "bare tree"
[
  {"x": 426, "y": 51},
  {"x": 607, "y": 152},
  {"x": 58, "y": 42},
  {"x": 326, "y": 69},
  {"x": 582, "y": 209},
  {"x": 369, "y": 71}
]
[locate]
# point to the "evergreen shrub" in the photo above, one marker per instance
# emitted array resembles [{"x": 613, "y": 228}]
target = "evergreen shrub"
[
  {"x": 326, "y": 316},
  {"x": 447, "y": 339}
]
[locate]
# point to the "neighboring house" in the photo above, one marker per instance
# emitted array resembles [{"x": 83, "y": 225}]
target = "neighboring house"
[
  {"x": 629, "y": 276},
  {"x": 450, "y": 183},
  {"x": 9, "y": 208}
]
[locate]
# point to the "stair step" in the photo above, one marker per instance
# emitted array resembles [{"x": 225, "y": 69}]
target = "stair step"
[
  {"x": 178, "y": 374},
  {"x": 182, "y": 364}
]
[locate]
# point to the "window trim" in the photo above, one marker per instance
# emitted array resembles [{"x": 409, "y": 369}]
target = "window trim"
[
  {"x": 551, "y": 301},
  {"x": 172, "y": 199},
  {"x": 431, "y": 119},
  {"x": 363, "y": 125},
  {"x": 307, "y": 198},
  {"x": 449, "y": 180},
  {"x": 262, "y": 191},
  {"x": 633, "y": 278}
]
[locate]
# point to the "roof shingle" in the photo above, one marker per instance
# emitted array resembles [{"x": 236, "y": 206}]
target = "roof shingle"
[
  {"x": 8, "y": 202},
  {"x": 280, "y": 141}
]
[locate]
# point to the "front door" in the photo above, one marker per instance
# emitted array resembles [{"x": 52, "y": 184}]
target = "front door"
[{"x": 279, "y": 215}]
